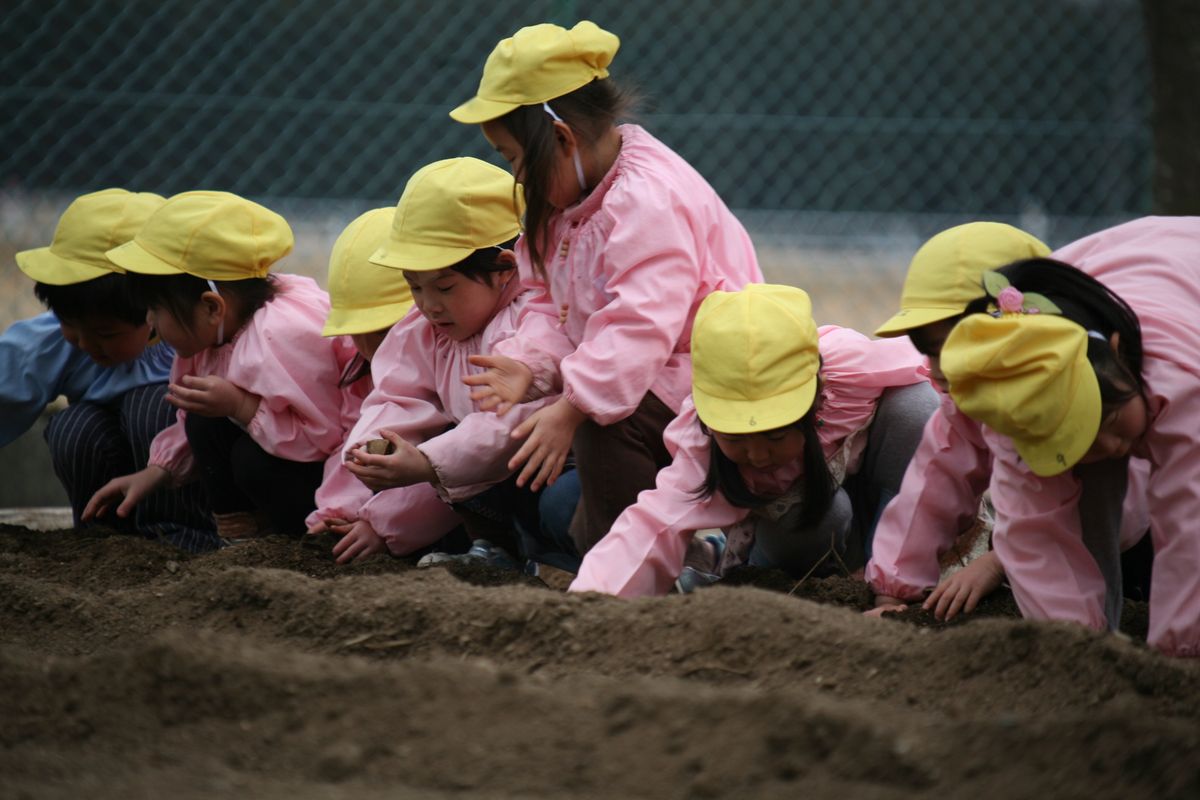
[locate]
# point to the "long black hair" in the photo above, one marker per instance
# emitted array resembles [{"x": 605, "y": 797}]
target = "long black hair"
[
  {"x": 590, "y": 111},
  {"x": 725, "y": 477},
  {"x": 1089, "y": 303}
]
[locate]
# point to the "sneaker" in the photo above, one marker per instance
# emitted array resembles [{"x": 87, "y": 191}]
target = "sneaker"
[
  {"x": 691, "y": 579},
  {"x": 482, "y": 552}
]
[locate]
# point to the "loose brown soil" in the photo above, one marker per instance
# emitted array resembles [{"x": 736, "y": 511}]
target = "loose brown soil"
[{"x": 265, "y": 670}]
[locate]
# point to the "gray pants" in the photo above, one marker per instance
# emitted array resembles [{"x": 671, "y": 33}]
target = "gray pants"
[{"x": 849, "y": 525}]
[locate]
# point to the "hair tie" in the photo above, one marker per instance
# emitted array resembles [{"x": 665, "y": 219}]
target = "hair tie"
[{"x": 1008, "y": 299}]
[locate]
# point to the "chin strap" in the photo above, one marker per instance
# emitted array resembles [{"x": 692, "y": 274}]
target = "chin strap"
[{"x": 221, "y": 324}]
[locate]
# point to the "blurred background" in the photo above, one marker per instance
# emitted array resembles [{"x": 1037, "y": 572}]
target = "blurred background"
[{"x": 842, "y": 132}]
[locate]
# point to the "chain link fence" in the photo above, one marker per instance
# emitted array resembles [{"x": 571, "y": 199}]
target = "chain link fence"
[{"x": 843, "y": 132}]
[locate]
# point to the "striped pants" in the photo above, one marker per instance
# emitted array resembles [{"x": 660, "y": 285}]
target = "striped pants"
[{"x": 90, "y": 444}]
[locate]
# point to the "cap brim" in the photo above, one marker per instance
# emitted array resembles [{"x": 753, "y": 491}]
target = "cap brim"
[
  {"x": 477, "y": 110},
  {"x": 419, "y": 257},
  {"x": 1071, "y": 440},
  {"x": 754, "y": 416},
  {"x": 134, "y": 258},
  {"x": 46, "y": 267},
  {"x": 348, "y": 321},
  {"x": 908, "y": 319}
]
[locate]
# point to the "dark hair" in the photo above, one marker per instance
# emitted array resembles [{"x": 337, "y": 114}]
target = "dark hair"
[
  {"x": 179, "y": 294},
  {"x": 106, "y": 296},
  {"x": 590, "y": 111},
  {"x": 1086, "y": 301},
  {"x": 483, "y": 265},
  {"x": 819, "y": 486},
  {"x": 357, "y": 367}
]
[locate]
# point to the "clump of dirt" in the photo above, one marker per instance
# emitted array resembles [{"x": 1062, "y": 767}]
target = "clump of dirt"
[{"x": 265, "y": 669}]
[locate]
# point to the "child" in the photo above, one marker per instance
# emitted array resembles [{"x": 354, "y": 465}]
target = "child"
[
  {"x": 451, "y": 236},
  {"x": 625, "y": 239},
  {"x": 792, "y": 440},
  {"x": 255, "y": 383},
  {"x": 1105, "y": 368},
  {"x": 952, "y": 466},
  {"x": 365, "y": 301},
  {"x": 95, "y": 347}
]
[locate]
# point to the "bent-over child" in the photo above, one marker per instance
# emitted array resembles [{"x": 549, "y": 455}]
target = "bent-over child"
[
  {"x": 254, "y": 382},
  {"x": 793, "y": 439},
  {"x": 95, "y": 347}
]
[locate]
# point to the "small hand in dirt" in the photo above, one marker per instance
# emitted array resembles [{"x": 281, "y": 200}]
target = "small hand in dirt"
[
  {"x": 403, "y": 467},
  {"x": 963, "y": 590},
  {"x": 505, "y": 382},
  {"x": 359, "y": 540},
  {"x": 213, "y": 396},
  {"x": 326, "y": 525},
  {"x": 130, "y": 487},
  {"x": 879, "y": 611}
]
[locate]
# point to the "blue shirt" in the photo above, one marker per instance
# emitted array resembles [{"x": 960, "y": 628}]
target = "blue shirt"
[{"x": 37, "y": 365}]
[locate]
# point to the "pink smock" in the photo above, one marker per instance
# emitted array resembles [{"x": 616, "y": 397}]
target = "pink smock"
[
  {"x": 419, "y": 394},
  {"x": 643, "y": 553},
  {"x": 280, "y": 355},
  {"x": 414, "y": 516},
  {"x": 939, "y": 499},
  {"x": 631, "y": 261},
  {"x": 1153, "y": 265}
]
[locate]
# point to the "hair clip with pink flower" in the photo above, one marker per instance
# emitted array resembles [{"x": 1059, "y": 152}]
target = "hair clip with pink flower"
[{"x": 1008, "y": 299}]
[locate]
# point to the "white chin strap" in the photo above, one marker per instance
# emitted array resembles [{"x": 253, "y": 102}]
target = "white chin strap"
[
  {"x": 221, "y": 324},
  {"x": 575, "y": 154}
]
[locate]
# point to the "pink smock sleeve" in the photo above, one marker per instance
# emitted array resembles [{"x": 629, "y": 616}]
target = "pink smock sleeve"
[
  {"x": 1039, "y": 543},
  {"x": 170, "y": 449},
  {"x": 1174, "y": 500},
  {"x": 409, "y": 517},
  {"x": 938, "y": 498},
  {"x": 643, "y": 553},
  {"x": 341, "y": 495}
]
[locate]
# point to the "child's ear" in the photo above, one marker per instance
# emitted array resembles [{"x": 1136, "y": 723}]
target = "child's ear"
[
  {"x": 565, "y": 137},
  {"x": 213, "y": 306},
  {"x": 508, "y": 258}
]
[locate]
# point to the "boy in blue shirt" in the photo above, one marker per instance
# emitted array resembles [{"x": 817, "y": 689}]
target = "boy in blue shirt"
[{"x": 95, "y": 347}]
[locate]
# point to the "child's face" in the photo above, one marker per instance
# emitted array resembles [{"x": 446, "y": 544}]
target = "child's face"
[
  {"x": 767, "y": 450},
  {"x": 456, "y": 305},
  {"x": 368, "y": 343},
  {"x": 928, "y": 340},
  {"x": 563, "y": 190},
  {"x": 107, "y": 341},
  {"x": 1119, "y": 431},
  {"x": 186, "y": 341}
]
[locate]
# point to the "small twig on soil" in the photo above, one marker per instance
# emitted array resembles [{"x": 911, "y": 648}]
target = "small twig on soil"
[{"x": 715, "y": 668}]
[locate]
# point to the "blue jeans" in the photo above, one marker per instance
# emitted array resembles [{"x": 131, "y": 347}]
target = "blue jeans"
[{"x": 542, "y": 520}]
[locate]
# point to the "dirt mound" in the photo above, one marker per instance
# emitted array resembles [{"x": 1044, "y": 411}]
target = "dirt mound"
[{"x": 265, "y": 670}]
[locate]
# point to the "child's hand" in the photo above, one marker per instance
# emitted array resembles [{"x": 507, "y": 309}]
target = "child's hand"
[
  {"x": 131, "y": 487},
  {"x": 885, "y": 603},
  {"x": 213, "y": 396},
  {"x": 549, "y": 431},
  {"x": 963, "y": 590},
  {"x": 503, "y": 385},
  {"x": 406, "y": 466},
  {"x": 359, "y": 540},
  {"x": 326, "y": 525}
]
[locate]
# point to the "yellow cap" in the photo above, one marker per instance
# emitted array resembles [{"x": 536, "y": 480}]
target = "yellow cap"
[
  {"x": 93, "y": 224},
  {"x": 1028, "y": 377},
  {"x": 364, "y": 297},
  {"x": 214, "y": 235},
  {"x": 450, "y": 209},
  {"x": 945, "y": 274},
  {"x": 537, "y": 64},
  {"x": 754, "y": 358}
]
